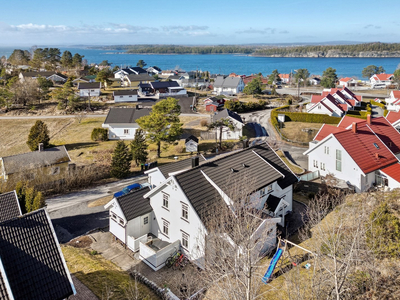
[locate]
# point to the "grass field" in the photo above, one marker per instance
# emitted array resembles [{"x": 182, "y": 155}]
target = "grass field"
[
  {"x": 294, "y": 131},
  {"x": 101, "y": 276},
  {"x": 76, "y": 138}
]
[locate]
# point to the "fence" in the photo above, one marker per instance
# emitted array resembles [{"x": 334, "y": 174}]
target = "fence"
[
  {"x": 207, "y": 135},
  {"x": 310, "y": 176}
]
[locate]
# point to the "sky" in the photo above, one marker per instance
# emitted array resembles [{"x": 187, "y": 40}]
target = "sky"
[{"x": 88, "y": 22}]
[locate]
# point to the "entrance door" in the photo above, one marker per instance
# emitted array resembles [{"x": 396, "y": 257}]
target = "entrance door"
[{"x": 145, "y": 224}]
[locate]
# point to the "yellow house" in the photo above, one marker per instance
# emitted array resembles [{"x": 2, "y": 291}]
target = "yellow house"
[{"x": 50, "y": 164}]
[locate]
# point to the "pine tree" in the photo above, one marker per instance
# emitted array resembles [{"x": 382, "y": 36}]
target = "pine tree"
[
  {"x": 38, "y": 134},
  {"x": 139, "y": 147},
  {"x": 121, "y": 161}
]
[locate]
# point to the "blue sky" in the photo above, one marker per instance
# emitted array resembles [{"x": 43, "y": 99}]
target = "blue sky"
[{"x": 43, "y": 22}]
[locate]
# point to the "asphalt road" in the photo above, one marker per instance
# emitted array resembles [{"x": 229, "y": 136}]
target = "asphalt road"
[{"x": 71, "y": 215}]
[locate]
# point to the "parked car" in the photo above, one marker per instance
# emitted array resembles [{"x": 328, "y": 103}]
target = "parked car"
[{"x": 127, "y": 189}]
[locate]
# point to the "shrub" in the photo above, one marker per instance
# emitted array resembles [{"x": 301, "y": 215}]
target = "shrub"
[
  {"x": 93, "y": 252},
  {"x": 241, "y": 107},
  {"x": 204, "y": 122},
  {"x": 385, "y": 112},
  {"x": 180, "y": 149},
  {"x": 99, "y": 134},
  {"x": 380, "y": 104}
]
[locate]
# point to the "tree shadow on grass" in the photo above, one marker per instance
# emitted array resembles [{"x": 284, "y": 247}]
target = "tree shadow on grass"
[{"x": 80, "y": 145}]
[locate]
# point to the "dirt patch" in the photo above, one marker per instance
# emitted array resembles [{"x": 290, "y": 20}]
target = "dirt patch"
[
  {"x": 81, "y": 242},
  {"x": 101, "y": 201}
]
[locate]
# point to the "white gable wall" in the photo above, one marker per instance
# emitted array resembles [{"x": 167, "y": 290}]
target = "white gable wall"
[
  {"x": 117, "y": 131},
  {"x": 350, "y": 170},
  {"x": 125, "y": 98},
  {"x": 89, "y": 92},
  {"x": 320, "y": 109},
  {"x": 155, "y": 177},
  {"x": 194, "y": 227},
  {"x": 115, "y": 228}
]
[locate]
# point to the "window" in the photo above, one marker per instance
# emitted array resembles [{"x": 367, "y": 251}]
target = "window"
[
  {"x": 315, "y": 163},
  {"x": 262, "y": 192},
  {"x": 121, "y": 96},
  {"x": 91, "y": 90},
  {"x": 185, "y": 240},
  {"x": 323, "y": 166},
  {"x": 126, "y": 131},
  {"x": 121, "y": 221},
  {"x": 145, "y": 220},
  {"x": 130, "y": 96},
  {"x": 269, "y": 188},
  {"x": 55, "y": 171},
  {"x": 114, "y": 216},
  {"x": 338, "y": 160},
  {"x": 165, "y": 200},
  {"x": 326, "y": 150},
  {"x": 165, "y": 227},
  {"x": 185, "y": 211}
]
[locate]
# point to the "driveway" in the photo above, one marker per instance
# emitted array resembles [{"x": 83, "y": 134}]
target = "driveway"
[
  {"x": 261, "y": 118},
  {"x": 71, "y": 215}
]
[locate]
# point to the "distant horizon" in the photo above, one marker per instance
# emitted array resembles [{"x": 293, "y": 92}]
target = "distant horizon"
[{"x": 229, "y": 22}]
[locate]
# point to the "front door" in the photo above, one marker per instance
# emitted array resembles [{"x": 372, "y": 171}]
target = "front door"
[{"x": 145, "y": 224}]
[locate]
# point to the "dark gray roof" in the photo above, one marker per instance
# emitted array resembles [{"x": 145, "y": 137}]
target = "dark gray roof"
[
  {"x": 32, "y": 259},
  {"x": 89, "y": 85},
  {"x": 228, "y": 82},
  {"x": 174, "y": 77},
  {"x": 164, "y": 84},
  {"x": 138, "y": 70},
  {"x": 35, "y": 159},
  {"x": 9, "y": 206},
  {"x": 140, "y": 77},
  {"x": 258, "y": 163},
  {"x": 192, "y": 137},
  {"x": 226, "y": 113},
  {"x": 127, "y": 70},
  {"x": 125, "y": 115},
  {"x": 177, "y": 166},
  {"x": 272, "y": 203},
  {"x": 125, "y": 92},
  {"x": 134, "y": 205}
]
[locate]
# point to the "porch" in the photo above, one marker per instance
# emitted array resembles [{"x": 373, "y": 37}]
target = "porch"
[{"x": 155, "y": 252}]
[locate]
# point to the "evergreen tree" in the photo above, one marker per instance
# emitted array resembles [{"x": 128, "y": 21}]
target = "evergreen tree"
[
  {"x": 141, "y": 63},
  {"x": 29, "y": 198},
  {"x": 162, "y": 124},
  {"x": 66, "y": 59},
  {"x": 371, "y": 70},
  {"x": 121, "y": 161},
  {"x": 139, "y": 147},
  {"x": 38, "y": 134},
  {"x": 253, "y": 87},
  {"x": 329, "y": 78}
]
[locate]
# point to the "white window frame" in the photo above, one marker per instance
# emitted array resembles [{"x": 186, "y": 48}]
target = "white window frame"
[
  {"x": 145, "y": 220},
  {"x": 269, "y": 188},
  {"x": 113, "y": 216},
  {"x": 126, "y": 131},
  {"x": 322, "y": 166},
  {"x": 185, "y": 240},
  {"x": 185, "y": 212},
  {"x": 165, "y": 228},
  {"x": 165, "y": 203},
  {"x": 338, "y": 157},
  {"x": 326, "y": 150}
]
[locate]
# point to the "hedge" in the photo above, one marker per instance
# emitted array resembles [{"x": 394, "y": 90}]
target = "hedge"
[
  {"x": 381, "y": 104},
  {"x": 302, "y": 117},
  {"x": 358, "y": 114},
  {"x": 99, "y": 134},
  {"x": 241, "y": 107}
]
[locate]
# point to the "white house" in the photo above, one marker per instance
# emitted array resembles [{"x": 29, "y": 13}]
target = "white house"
[
  {"x": 382, "y": 78},
  {"x": 182, "y": 203},
  {"x": 357, "y": 153},
  {"x": 154, "y": 70},
  {"x": 191, "y": 144},
  {"x": 393, "y": 102},
  {"x": 228, "y": 85},
  {"x": 125, "y": 96},
  {"x": 53, "y": 76},
  {"x": 333, "y": 102},
  {"x": 129, "y": 71},
  {"x": 227, "y": 133},
  {"x": 130, "y": 218},
  {"x": 394, "y": 118},
  {"x": 314, "y": 80},
  {"x": 90, "y": 89},
  {"x": 121, "y": 122},
  {"x": 347, "y": 81},
  {"x": 161, "y": 89}
]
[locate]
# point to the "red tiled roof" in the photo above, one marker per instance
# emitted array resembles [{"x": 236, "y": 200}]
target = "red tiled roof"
[
  {"x": 344, "y": 107},
  {"x": 334, "y": 101},
  {"x": 393, "y": 116},
  {"x": 284, "y": 76},
  {"x": 361, "y": 147},
  {"x": 326, "y": 130},
  {"x": 393, "y": 171},
  {"x": 387, "y": 133},
  {"x": 316, "y": 98},
  {"x": 346, "y": 79},
  {"x": 396, "y": 94},
  {"x": 347, "y": 121},
  {"x": 382, "y": 76}
]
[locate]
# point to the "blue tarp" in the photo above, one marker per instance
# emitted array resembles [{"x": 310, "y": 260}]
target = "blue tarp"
[{"x": 272, "y": 265}]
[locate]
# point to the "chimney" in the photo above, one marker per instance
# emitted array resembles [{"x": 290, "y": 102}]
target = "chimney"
[
  {"x": 195, "y": 161},
  {"x": 41, "y": 147},
  {"x": 369, "y": 119},
  {"x": 376, "y": 155},
  {"x": 354, "y": 127}
]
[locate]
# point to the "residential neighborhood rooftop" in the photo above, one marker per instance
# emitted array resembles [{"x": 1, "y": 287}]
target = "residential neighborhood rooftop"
[
  {"x": 89, "y": 85},
  {"x": 125, "y": 115},
  {"x": 32, "y": 264},
  {"x": 9, "y": 206},
  {"x": 133, "y": 204},
  {"x": 226, "y": 113}
]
